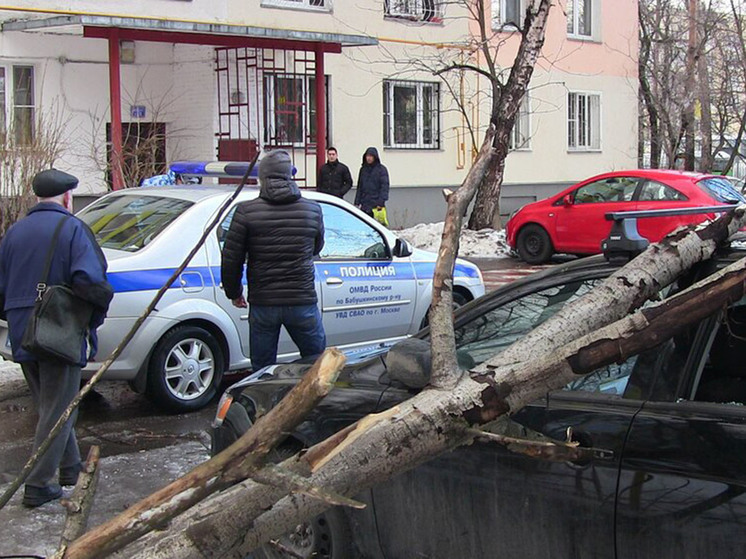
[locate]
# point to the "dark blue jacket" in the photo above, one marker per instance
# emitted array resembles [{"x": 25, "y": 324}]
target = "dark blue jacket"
[
  {"x": 78, "y": 262},
  {"x": 372, "y": 183}
]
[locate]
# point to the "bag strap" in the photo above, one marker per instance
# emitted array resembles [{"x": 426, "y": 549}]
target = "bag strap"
[{"x": 41, "y": 287}]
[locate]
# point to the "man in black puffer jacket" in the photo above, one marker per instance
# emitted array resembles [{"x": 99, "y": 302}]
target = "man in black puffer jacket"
[{"x": 277, "y": 235}]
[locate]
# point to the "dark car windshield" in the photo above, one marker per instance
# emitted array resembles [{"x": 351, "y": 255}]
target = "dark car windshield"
[
  {"x": 721, "y": 189},
  {"x": 131, "y": 222}
]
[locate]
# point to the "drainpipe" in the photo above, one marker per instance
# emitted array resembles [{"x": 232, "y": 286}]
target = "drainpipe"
[
  {"x": 320, "y": 110},
  {"x": 115, "y": 108}
]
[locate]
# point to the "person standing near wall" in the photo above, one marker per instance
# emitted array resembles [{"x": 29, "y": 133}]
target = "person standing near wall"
[
  {"x": 77, "y": 261},
  {"x": 334, "y": 176},
  {"x": 277, "y": 236},
  {"x": 372, "y": 183}
]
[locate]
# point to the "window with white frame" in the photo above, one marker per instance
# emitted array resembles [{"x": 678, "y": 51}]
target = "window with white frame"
[
  {"x": 17, "y": 106},
  {"x": 580, "y": 20},
  {"x": 411, "y": 114},
  {"x": 583, "y": 121},
  {"x": 520, "y": 136},
  {"x": 415, "y": 10},
  {"x": 506, "y": 13},
  {"x": 320, "y": 5}
]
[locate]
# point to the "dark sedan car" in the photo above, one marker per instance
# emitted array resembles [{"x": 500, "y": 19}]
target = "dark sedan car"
[{"x": 666, "y": 477}]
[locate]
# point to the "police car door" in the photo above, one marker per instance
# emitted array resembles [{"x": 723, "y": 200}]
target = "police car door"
[{"x": 367, "y": 295}]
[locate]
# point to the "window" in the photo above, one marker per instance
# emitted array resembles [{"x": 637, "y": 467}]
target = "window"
[
  {"x": 722, "y": 377},
  {"x": 320, "y": 5},
  {"x": 492, "y": 332},
  {"x": 17, "y": 102},
  {"x": 411, "y": 113},
  {"x": 616, "y": 189},
  {"x": 506, "y": 13},
  {"x": 580, "y": 18},
  {"x": 584, "y": 121},
  {"x": 415, "y": 10},
  {"x": 653, "y": 191},
  {"x": 290, "y": 109},
  {"x": 347, "y": 236},
  {"x": 721, "y": 189},
  {"x": 519, "y": 138}
]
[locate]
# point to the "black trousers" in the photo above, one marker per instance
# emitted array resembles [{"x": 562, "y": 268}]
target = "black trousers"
[{"x": 53, "y": 386}]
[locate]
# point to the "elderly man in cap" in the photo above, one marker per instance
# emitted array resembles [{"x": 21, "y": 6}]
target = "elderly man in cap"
[
  {"x": 78, "y": 262},
  {"x": 277, "y": 235}
]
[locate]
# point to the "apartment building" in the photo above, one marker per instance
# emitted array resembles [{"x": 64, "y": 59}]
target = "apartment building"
[{"x": 220, "y": 79}]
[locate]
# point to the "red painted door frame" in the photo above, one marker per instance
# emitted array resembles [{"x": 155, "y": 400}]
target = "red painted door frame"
[{"x": 114, "y": 35}]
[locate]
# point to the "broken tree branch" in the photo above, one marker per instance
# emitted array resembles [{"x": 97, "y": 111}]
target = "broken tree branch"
[
  {"x": 80, "y": 502},
  {"x": 227, "y": 468}
]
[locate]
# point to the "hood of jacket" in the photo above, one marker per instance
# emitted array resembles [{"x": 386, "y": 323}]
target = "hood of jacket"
[
  {"x": 374, "y": 152},
  {"x": 276, "y": 178}
]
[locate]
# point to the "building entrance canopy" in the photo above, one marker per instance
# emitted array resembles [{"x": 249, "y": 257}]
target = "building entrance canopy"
[{"x": 117, "y": 28}]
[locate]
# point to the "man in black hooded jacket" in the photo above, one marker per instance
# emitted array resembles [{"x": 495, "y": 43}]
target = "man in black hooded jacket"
[
  {"x": 372, "y": 183},
  {"x": 277, "y": 235}
]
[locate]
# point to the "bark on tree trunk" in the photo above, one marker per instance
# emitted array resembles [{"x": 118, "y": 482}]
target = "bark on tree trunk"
[
  {"x": 486, "y": 212},
  {"x": 435, "y": 421},
  {"x": 227, "y": 468}
]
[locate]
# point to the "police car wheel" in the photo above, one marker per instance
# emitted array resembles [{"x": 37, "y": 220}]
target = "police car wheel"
[
  {"x": 534, "y": 245},
  {"x": 185, "y": 370}
]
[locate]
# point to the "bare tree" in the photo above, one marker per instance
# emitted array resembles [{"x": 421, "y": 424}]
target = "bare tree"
[
  {"x": 23, "y": 153},
  {"x": 691, "y": 83},
  {"x": 143, "y": 141}
]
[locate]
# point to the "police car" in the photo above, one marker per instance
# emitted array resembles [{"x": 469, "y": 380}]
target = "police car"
[{"x": 373, "y": 287}]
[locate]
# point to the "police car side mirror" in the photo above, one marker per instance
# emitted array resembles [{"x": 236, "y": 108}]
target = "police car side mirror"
[{"x": 402, "y": 248}]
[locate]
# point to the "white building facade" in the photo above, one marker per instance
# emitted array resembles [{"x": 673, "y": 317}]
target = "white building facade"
[{"x": 216, "y": 79}]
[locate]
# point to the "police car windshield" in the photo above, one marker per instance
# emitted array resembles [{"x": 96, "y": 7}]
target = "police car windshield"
[{"x": 130, "y": 223}]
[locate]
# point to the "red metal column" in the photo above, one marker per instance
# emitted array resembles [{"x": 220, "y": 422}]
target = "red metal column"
[
  {"x": 115, "y": 108},
  {"x": 320, "y": 109}
]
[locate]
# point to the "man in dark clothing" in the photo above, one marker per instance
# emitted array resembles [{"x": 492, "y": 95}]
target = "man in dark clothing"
[
  {"x": 277, "y": 235},
  {"x": 77, "y": 261},
  {"x": 372, "y": 183},
  {"x": 334, "y": 176}
]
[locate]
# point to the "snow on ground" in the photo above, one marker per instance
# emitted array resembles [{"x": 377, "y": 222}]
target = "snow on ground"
[{"x": 485, "y": 243}]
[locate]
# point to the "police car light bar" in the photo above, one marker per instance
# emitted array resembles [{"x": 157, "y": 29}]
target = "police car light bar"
[{"x": 235, "y": 169}]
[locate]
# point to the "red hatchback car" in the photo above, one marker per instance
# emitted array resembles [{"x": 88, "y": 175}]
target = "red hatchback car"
[{"x": 574, "y": 221}]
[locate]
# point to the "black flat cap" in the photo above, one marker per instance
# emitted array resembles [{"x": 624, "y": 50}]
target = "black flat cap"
[{"x": 52, "y": 182}]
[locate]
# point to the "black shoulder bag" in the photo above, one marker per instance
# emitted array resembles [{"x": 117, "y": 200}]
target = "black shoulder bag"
[{"x": 60, "y": 319}]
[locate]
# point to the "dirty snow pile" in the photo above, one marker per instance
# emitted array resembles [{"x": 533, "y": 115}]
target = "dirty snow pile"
[{"x": 485, "y": 243}]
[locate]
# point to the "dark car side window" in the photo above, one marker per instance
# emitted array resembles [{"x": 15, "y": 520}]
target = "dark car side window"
[
  {"x": 722, "y": 376},
  {"x": 615, "y": 189}
]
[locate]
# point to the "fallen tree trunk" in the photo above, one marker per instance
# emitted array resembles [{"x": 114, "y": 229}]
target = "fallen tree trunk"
[
  {"x": 435, "y": 421},
  {"x": 227, "y": 468}
]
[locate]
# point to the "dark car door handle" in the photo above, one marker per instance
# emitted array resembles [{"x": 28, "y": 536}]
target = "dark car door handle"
[
  {"x": 586, "y": 441},
  {"x": 603, "y": 454}
]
